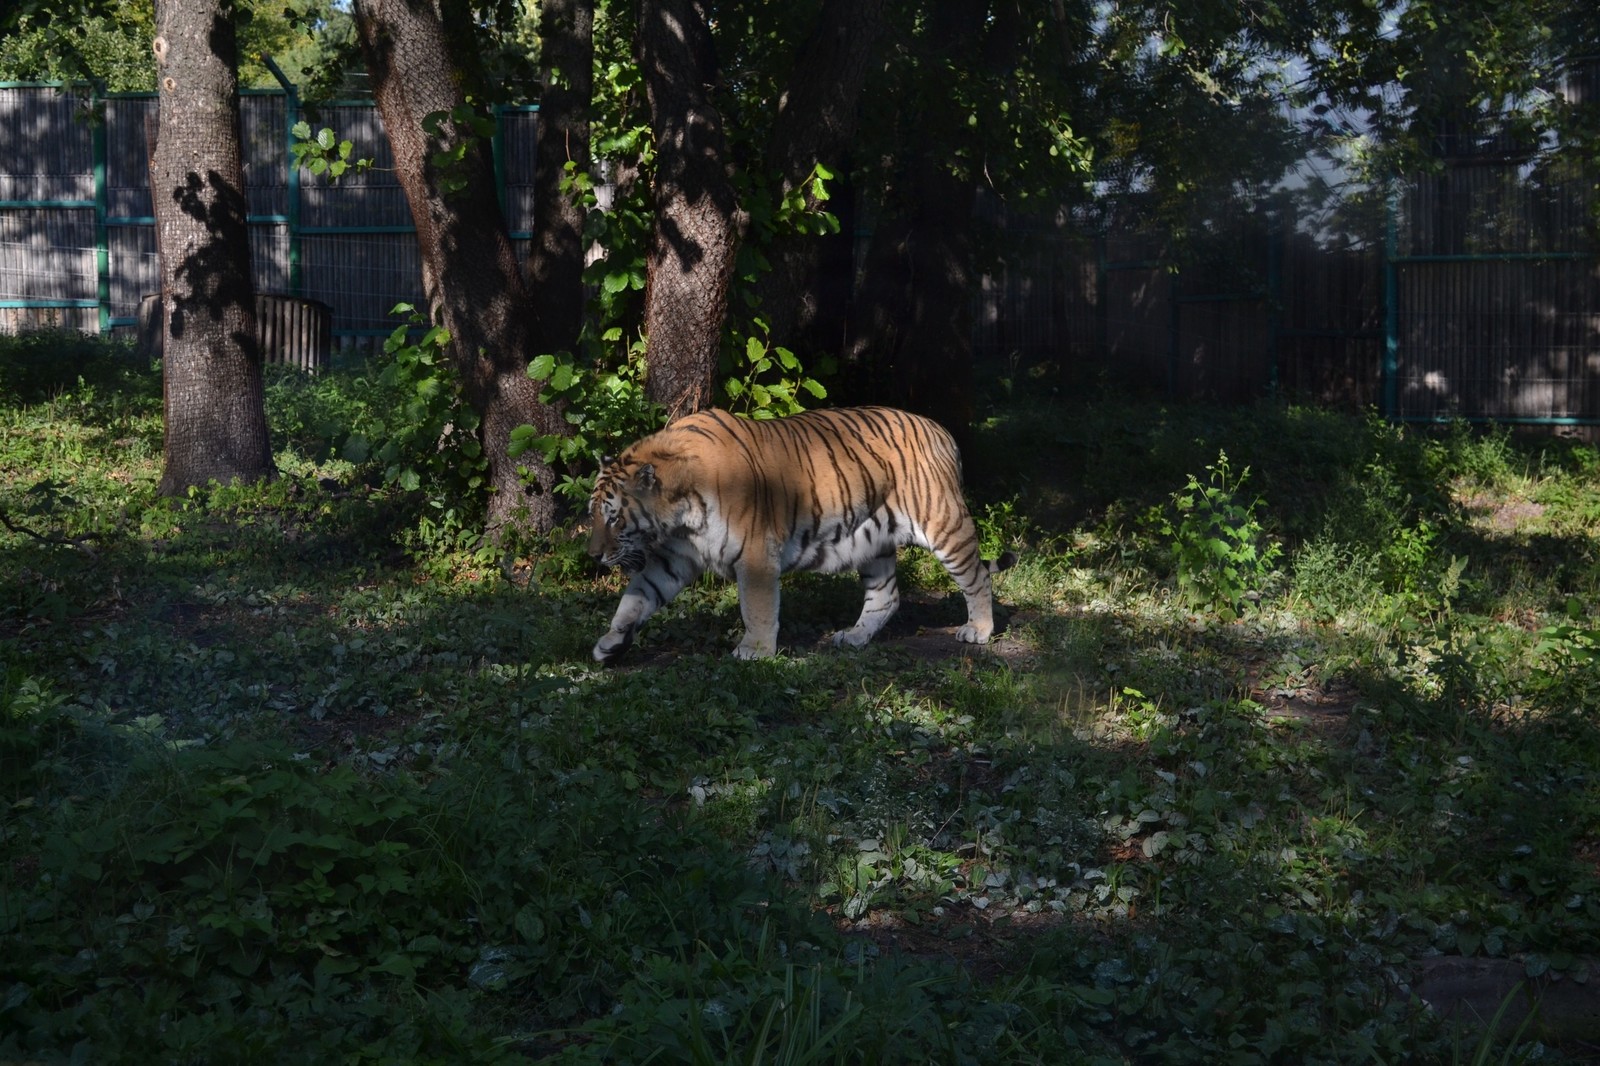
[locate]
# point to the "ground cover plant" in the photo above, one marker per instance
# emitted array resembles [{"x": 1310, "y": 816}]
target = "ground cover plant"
[{"x": 285, "y": 774}]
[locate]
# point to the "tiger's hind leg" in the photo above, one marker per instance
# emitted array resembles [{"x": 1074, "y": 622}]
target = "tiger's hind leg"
[
  {"x": 659, "y": 581},
  {"x": 883, "y": 599},
  {"x": 973, "y": 575}
]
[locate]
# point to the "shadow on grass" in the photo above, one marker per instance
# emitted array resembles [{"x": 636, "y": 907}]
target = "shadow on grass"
[{"x": 1096, "y": 844}]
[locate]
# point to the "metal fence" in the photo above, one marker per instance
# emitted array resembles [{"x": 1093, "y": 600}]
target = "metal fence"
[
  {"x": 1472, "y": 293},
  {"x": 77, "y": 231},
  {"x": 1469, "y": 294}
]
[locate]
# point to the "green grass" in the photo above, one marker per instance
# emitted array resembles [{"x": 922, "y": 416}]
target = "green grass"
[{"x": 282, "y": 779}]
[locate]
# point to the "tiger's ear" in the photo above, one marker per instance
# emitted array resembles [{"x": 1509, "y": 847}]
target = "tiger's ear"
[
  {"x": 645, "y": 476},
  {"x": 606, "y": 461}
]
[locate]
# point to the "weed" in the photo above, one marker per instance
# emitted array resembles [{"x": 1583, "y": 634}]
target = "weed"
[{"x": 1219, "y": 548}]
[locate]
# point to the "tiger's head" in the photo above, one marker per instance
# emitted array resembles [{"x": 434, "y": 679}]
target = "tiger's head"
[{"x": 622, "y": 513}]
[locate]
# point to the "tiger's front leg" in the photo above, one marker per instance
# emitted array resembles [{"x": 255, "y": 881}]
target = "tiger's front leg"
[
  {"x": 882, "y": 600},
  {"x": 758, "y": 606},
  {"x": 657, "y": 583}
]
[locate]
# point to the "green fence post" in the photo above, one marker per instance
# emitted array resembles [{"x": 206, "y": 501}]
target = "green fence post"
[
  {"x": 497, "y": 151},
  {"x": 102, "y": 243},
  {"x": 1391, "y": 306},
  {"x": 291, "y": 116},
  {"x": 1174, "y": 325},
  {"x": 1275, "y": 238},
  {"x": 1102, "y": 292}
]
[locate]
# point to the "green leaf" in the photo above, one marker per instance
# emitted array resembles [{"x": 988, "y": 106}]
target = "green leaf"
[
  {"x": 357, "y": 449},
  {"x": 397, "y": 964},
  {"x": 542, "y": 367},
  {"x": 529, "y": 926},
  {"x": 325, "y": 138}
]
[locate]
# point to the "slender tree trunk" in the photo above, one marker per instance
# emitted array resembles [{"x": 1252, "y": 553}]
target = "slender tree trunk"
[
  {"x": 911, "y": 329},
  {"x": 216, "y": 423},
  {"x": 554, "y": 271},
  {"x": 911, "y": 332},
  {"x": 469, "y": 269},
  {"x": 698, "y": 221},
  {"x": 805, "y": 296}
]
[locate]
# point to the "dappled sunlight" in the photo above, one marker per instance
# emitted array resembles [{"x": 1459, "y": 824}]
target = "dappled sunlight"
[{"x": 1124, "y": 807}]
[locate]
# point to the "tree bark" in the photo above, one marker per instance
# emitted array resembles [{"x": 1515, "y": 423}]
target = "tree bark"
[
  {"x": 216, "y": 423},
  {"x": 554, "y": 271},
  {"x": 698, "y": 221},
  {"x": 469, "y": 269},
  {"x": 805, "y": 296}
]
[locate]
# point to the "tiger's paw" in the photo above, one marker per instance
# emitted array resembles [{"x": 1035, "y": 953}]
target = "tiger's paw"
[
  {"x": 748, "y": 649},
  {"x": 854, "y": 637},
  {"x": 971, "y": 634},
  {"x": 611, "y": 646}
]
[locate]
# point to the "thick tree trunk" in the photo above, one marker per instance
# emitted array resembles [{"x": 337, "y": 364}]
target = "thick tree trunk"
[
  {"x": 554, "y": 270},
  {"x": 216, "y": 423},
  {"x": 698, "y": 221},
  {"x": 805, "y": 297},
  {"x": 469, "y": 270}
]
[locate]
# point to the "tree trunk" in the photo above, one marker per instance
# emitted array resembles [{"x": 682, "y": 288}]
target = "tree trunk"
[
  {"x": 805, "y": 296},
  {"x": 698, "y": 221},
  {"x": 911, "y": 328},
  {"x": 469, "y": 269},
  {"x": 216, "y": 423},
  {"x": 911, "y": 324},
  {"x": 554, "y": 271}
]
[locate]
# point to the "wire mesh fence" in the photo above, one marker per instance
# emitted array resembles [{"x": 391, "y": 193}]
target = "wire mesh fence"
[{"x": 1474, "y": 294}]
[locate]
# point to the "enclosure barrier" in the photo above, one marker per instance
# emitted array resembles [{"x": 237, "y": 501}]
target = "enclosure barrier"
[
  {"x": 1471, "y": 293},
  {"x": 77, "y": 231},
  {"x": 290, "y": 330}
]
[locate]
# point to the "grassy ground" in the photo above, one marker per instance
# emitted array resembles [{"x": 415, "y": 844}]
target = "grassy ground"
[{"x": 1293, "y": 711}]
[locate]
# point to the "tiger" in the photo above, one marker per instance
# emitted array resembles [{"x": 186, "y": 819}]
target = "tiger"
[{"x": 750, "y": 500}]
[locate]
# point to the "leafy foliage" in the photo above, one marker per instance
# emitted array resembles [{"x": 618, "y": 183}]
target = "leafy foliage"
[
  {"x": 1217, "y": 541},
  {"x": 109, "y": 43},
  {"x": 602, "y": 387},
  {"x": 323, "y": 153}
]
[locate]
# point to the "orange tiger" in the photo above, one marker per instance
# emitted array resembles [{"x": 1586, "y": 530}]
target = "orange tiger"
[{"x": 750, "y": 500}]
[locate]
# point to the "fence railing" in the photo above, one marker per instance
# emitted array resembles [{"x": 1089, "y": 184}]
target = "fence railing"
[
  {"x": 1475, "y": 293},
  {"x": 1471, "y": 295},
  {"x": 77, "y": 230}
]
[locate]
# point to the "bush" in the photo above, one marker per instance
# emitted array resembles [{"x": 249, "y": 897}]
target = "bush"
[{"x": 40, "y": 366}]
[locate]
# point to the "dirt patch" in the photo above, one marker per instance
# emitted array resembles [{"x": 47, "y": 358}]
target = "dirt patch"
[
  {"x": 1501, "y": 515},
  {"x": 982, "y": 943},
  {"x": 1304, "y": 696},
  {"x": 1479, "y": 993}
]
